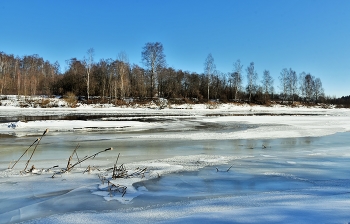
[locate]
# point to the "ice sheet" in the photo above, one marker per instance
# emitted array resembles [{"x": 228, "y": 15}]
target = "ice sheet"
[
  {"x": 282, "y": 170},
  {"x": 228, "y": 127}
]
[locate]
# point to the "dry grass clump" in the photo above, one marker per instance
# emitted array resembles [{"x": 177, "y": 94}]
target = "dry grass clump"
[
  {"x": 212, "y": 105},
  {"x": 121, "y": 103},
  {"x": 45, "y": 103},
  {"x": 70, "y": 99},
  {"x": 120, "y": 172}
]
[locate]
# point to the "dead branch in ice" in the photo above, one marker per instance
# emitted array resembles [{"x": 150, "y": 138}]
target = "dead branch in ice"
[
  {"x": 102, "y": 178},
  {"x": 120, "y": 172},
  {"x": 23, "y": 154},
  {"x": 35, "y": 149},
  {"x": 229, "y": 168},
  {"x": 91, "y": 168},
  {"x": 115, "y": 167},
  {"x": 139, "y": 172},
  {"x": 48, "y": 169},
  {"x": 89, "y": 157},
  {"x": 116, "y": 188},
  {"x": 217, "y": 169},
  {"x": 70, "y": 166}
]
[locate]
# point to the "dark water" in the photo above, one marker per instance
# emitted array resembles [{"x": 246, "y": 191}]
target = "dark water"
[
  {"x": 128, "y": 117},
  {"x": 84, "y": 117}
]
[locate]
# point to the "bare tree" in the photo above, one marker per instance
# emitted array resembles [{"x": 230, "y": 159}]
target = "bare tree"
[
  {"x": 237, "y": 77},
  {"x": 88, "y": 62},
  {"x": 283, "y": 77},
  {"x": 292, "y": 84},
  {"x": 252, "y": 76},
  {"x": 318, "y": 89},
  {"x": 217, "y": 83},
  {"x": 101, "y": 74},
  {"x": 3, "y": 75},
  {"x": 138, "y": 81},
  {"x": 307, "y": 84},
  {"x": 153, "y": 58},
  {"x": 267, "y": 84},
  {"x": 73, "y": 79},
  {"x": 123, "y": 68},
  {"x": 209, "y": 69},
  {"x": 18, "y": 75}
]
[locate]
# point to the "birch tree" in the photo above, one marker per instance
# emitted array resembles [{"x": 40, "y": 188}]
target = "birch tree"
[
  {"x": 209, "y": 69},
  {"x": 153, "y": 58},
  {"x": 318, "y": 89},
  {"x": 237, "y": 78},
  {"x": 252, "y": 76},
  {"x": 283, "y": 78},
  {"x": 267, "y": 84},
  {"x": 307, "y": 84},
  {"x": 123, "y": 69},
  {"x": 88, "y": 62},
  {"x": 292, "y": 84}
]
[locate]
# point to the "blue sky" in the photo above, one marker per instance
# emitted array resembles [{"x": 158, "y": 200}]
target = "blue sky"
[{"x": 305, "y": 35}]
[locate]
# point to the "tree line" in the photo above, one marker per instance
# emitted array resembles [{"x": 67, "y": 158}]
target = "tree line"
[
  {"x": 117, "y": 79},
  {"x": 27, "y": 75}
]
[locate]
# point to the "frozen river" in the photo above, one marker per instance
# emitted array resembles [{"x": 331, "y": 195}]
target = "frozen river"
[{"x": 201, "y": 169}]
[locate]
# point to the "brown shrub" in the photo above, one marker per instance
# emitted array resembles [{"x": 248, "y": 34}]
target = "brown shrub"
[{"x": 71, "y": 99}]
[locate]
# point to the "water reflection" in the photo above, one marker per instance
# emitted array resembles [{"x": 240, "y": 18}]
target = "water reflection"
[
  {"x": 251, "y": 143},
  {"x": 308, "y": 140},
  {"x": 289, "y": 141}
]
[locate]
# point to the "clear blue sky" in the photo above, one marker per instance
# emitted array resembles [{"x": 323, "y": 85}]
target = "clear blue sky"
[{"x": 305, "y": 35}]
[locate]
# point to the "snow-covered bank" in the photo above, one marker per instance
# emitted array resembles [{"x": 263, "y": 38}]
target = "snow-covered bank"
[
  {"x": 198, "y": 109},
  {"x": 11, "y": 106},
  {"x": 232, "y": 122}
]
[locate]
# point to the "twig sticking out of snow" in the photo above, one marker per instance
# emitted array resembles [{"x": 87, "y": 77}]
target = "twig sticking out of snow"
[
  {"x": 139, "y": 172},
  {"x": 70, "y": 166},
  {"x": 115, "y": 167},
  {"x": 89, "y": 157},
  {"x": 116, "y": 188},
  {"x": 120, "y": 172},
  {"x": 47, "y": 170},
  {"x": 90, "y": 168},
  {"x": 35, "y": 149},
  {"x": 102, "y": 178},
  {"x": 23, "y": 153},
  {"x": 217, "y": 169}
]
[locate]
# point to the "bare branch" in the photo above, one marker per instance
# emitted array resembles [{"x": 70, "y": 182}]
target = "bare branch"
[{"x": 35, "y": 149}]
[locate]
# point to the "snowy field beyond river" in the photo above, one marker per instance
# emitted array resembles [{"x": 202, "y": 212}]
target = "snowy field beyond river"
[
  {"x": 230, "y": 121},
  {"x": 232, "y": 164}
]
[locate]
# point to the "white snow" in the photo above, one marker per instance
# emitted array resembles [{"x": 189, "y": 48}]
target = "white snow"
[
  {"x": 298, "y": 177},
  {"x": 327, "y": 123},
  {"x": 36, "y": 127}
]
